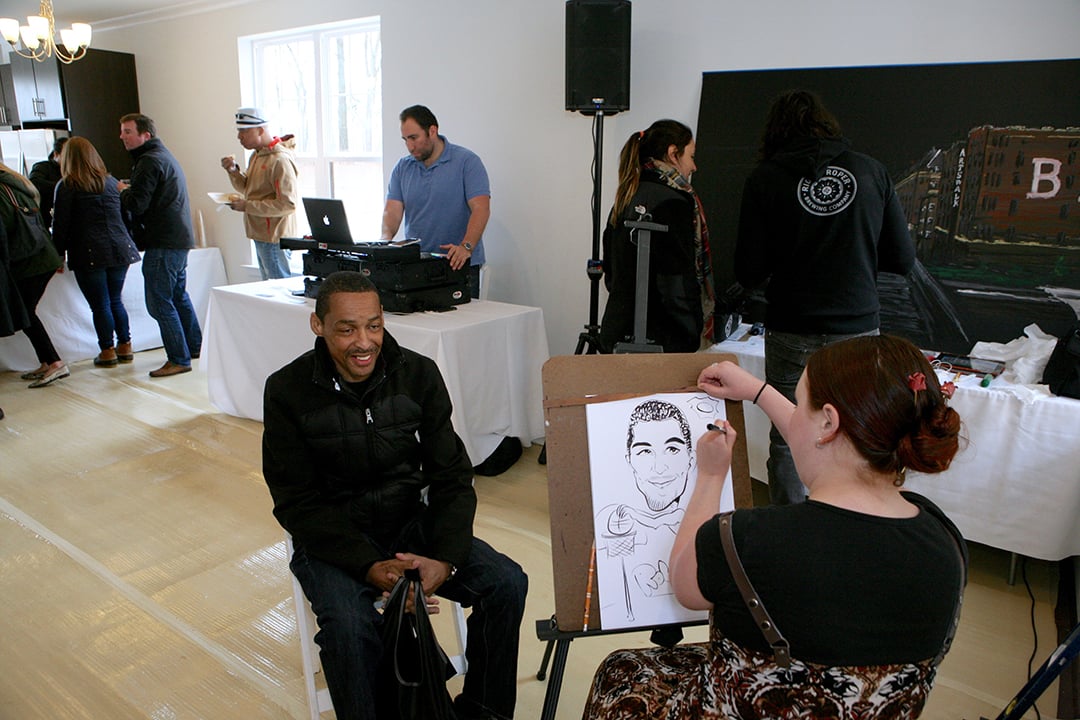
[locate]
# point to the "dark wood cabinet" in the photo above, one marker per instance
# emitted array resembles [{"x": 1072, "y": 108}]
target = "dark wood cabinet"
[
  {"x": 38, "y": 96},
  {"x": 98, "y": 90},
  {"x": 86, "y": 98}
]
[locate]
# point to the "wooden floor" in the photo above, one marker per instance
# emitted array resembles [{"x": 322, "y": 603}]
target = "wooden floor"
[{"x": 144, "y": 576}]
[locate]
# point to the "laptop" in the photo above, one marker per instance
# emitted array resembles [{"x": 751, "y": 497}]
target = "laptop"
[{"x": 327, "y": 220}]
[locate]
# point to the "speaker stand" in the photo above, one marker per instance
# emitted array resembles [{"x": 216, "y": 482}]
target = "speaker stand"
[{"x": 589, "y": 340}]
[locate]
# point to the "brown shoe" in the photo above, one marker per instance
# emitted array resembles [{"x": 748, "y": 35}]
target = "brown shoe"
[
  {"x": 124, "y": 353},
  {"x": 107, "y": 358},
  {"x": 168, "y": 369}
]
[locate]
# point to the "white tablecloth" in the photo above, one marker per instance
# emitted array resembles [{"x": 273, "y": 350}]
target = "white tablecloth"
[
  {"x": 490, "y": 355},
  {"x": 1016, "y": 486},
  {"x": 65, "y": 314}
]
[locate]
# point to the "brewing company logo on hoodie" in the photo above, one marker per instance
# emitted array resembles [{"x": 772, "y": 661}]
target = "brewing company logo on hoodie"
[{"x": 829, "y": 194}]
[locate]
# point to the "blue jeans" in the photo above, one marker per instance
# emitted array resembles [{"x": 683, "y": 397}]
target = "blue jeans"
[
  {"x": 165, "y": 276},
  {"x": 103, "y": 289},
  {"x": 273, "y": 261},
  {"x": 785, "y": 359},
  {"x": 350, "y": 630}
]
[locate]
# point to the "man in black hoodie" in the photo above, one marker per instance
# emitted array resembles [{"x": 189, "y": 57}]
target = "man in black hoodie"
[{"x": 818, "y": 222}]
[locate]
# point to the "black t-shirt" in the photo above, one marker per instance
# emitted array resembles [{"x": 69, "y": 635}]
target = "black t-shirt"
[{"x": 843, "y": 587}]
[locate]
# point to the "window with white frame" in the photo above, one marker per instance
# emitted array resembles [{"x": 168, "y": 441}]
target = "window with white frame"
[{"x": 323, "y": 84}]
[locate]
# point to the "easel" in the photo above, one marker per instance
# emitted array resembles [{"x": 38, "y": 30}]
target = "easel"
[
  {"x": 569, "y": 382},
  {"x": 1065, "y": 653},
  {"x": 641, "y": 231}
]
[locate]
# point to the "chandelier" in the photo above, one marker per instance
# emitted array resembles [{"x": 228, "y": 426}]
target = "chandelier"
[{"x": 39, "y": 36}]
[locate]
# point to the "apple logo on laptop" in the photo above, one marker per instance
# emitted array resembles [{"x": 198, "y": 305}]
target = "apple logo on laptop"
[{"x": 326, "y": 220}]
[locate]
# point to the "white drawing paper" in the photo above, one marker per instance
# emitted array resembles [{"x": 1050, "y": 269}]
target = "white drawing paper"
[{"x": 643, "y": 468}]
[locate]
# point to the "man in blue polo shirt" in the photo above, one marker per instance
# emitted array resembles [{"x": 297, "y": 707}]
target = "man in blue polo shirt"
[{"x": 442, "y": 191}]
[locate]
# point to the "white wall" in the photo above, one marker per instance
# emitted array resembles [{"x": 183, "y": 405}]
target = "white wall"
[{"x": 493, "y": 72}]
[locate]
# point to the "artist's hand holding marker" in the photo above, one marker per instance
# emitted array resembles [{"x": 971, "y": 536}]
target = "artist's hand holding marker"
[
  {"x": 713, "y": 461},
  {"x": 714, "y": 452}
]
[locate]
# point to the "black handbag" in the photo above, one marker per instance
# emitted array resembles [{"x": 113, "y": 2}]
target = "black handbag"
[
  {"x": 28, "y": 235},
  {"x": 414, "y": 668},
  {"x": 1062, "y": 372}
]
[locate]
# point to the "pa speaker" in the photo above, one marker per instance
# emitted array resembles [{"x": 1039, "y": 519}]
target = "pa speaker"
[{"x": 598, "y": 56}]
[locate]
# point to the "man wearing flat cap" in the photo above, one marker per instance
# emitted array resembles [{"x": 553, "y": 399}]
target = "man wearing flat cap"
[{"x": 269, "y": 189}]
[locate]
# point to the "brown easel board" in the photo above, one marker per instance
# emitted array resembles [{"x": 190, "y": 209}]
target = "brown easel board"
[{"x": 569, "y": 381}]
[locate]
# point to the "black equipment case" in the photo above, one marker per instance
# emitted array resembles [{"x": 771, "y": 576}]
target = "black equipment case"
[
  {"x": 399, "y": 276},
  {"x": 439, "y": 298},
  {"x": 407, "y": 280}
]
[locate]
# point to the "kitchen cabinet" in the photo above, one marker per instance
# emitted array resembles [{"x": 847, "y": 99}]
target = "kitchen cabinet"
[
  {"x": 86, "y": 98},
  {"x": 7, "y": 98},
  {"x": 38, "y": 95}
]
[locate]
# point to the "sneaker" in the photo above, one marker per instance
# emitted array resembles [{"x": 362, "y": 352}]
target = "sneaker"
[
  {"x": 169, "y": 368},
  {"x": 51, "y": 376}
]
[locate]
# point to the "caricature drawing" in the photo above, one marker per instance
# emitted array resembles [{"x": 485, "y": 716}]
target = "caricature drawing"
[{"x": 637, "y": 521}]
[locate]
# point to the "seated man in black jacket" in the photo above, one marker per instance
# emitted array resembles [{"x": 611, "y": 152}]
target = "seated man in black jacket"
[{"x": 354, "y": 430}]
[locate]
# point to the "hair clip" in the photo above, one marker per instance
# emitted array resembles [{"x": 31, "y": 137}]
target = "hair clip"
[{"x": 916, "y": 381}]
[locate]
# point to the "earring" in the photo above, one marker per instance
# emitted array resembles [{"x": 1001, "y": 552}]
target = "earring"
[
  {"x": 819, "y": 443},
  {"x": 901, "y": 475}
]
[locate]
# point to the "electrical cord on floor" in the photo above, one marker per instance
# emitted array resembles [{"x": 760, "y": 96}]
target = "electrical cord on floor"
[{"x": 1034, "y": 629}]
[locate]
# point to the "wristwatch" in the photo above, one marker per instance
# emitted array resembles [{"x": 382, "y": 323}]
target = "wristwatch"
[{"x": 467, "y": 245}]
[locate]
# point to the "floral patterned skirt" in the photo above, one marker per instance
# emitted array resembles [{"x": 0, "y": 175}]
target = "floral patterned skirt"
[{"x": 719, "y": 679}]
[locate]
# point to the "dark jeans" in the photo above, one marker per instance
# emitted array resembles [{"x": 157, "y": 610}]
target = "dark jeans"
[
  {"x": 103, "y": 289},
  {"x": 31, "y": 289},
  {"x": 785, "y": 359},
  {"x": 350, "y": 629},
  {"x": 165, "y": 276}
]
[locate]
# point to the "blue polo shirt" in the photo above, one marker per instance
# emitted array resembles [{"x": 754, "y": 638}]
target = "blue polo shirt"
[{"x": 437, "y": 198}]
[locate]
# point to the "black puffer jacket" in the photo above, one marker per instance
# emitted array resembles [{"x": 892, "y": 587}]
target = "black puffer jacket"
[
  {"x": 346, "y": 470},
  {"x": 158, "y": 199}
]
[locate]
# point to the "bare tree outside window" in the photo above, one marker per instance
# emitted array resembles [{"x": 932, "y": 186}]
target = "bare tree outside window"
[{"x": 323, "y": 84}]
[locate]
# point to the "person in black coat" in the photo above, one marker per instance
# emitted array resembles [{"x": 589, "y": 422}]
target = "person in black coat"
[
  {"x": 157, "y": 198},
  {"x": 370, "y": 479},
  {"x": 817, "y": 223},
  {"x": 90, "y": 228},
  {"x": 30, "y": 275},
  {"x": 45, "y": 175},
  {"x": 654, "y": 185}
]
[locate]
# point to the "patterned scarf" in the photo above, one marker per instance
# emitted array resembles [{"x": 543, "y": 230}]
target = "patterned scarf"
[{"x": 675, "y": 180}]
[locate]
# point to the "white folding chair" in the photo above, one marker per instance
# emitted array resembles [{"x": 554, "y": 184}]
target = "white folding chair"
[{"x": 306, "y": 624}]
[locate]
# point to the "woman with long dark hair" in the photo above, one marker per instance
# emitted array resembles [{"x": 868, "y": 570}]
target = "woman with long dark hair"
[
  {"x": 89, "y": 227},
  {"x": 31, "y": 275},
  {"x": 655, "y": 166}
]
